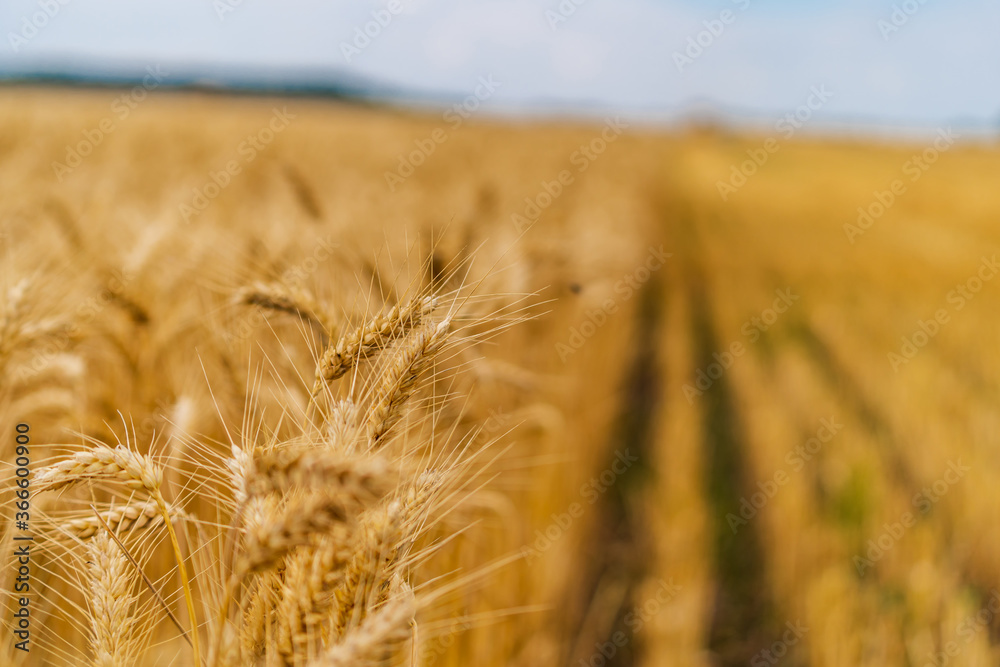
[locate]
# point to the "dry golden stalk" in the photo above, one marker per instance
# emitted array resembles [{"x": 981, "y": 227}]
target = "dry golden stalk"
[
  {"x": 360, "y": 480},
  {"x": 373, "y": 336},
  {"x": 112, "y": 596},
  {"x": 135, "y": 516},
  {"x": 375, "y": 641},
  {"x": 292, "y": 300},
  {"x": 400, "y": 379},
  {"x": 102, "y": 463}
]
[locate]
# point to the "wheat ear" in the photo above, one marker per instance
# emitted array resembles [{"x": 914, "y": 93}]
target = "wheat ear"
[
  {"x": 134, "y": 516},
  {"x": 292, "y": 300},
  {"x": 12, "y": 317},
  {"x": 375, "y": 641},
  {"x": 400, "y": 381},
  {"x": 136, "y": 471},
  {"x": 369, "y": 338},
  {"x": 311, "y": 575},
  {"x": 102, "y": 463},
  {"x": 301, "y": 520},
  {"x": 112, "y": 596},
  {"x": 376, "y": 544},
  {"x": 359, "y": 480}
]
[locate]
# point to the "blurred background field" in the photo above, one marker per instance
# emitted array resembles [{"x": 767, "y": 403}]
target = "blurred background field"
[{"x": 713, "y": 459}]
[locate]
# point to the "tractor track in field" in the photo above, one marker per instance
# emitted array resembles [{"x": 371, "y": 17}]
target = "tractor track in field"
[
  {"x": 743, "y": 617},
  {"x": 619, "y": 540}
]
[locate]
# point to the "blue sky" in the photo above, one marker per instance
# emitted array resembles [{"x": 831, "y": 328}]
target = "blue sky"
[{"x": 941, "y": 65}]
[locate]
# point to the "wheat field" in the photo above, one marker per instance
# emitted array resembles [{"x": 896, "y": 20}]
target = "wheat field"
[{"x": 311, "y": 383}]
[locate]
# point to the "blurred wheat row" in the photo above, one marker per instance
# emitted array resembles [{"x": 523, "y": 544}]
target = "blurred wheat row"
[{"x": 649, "y": 459}]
